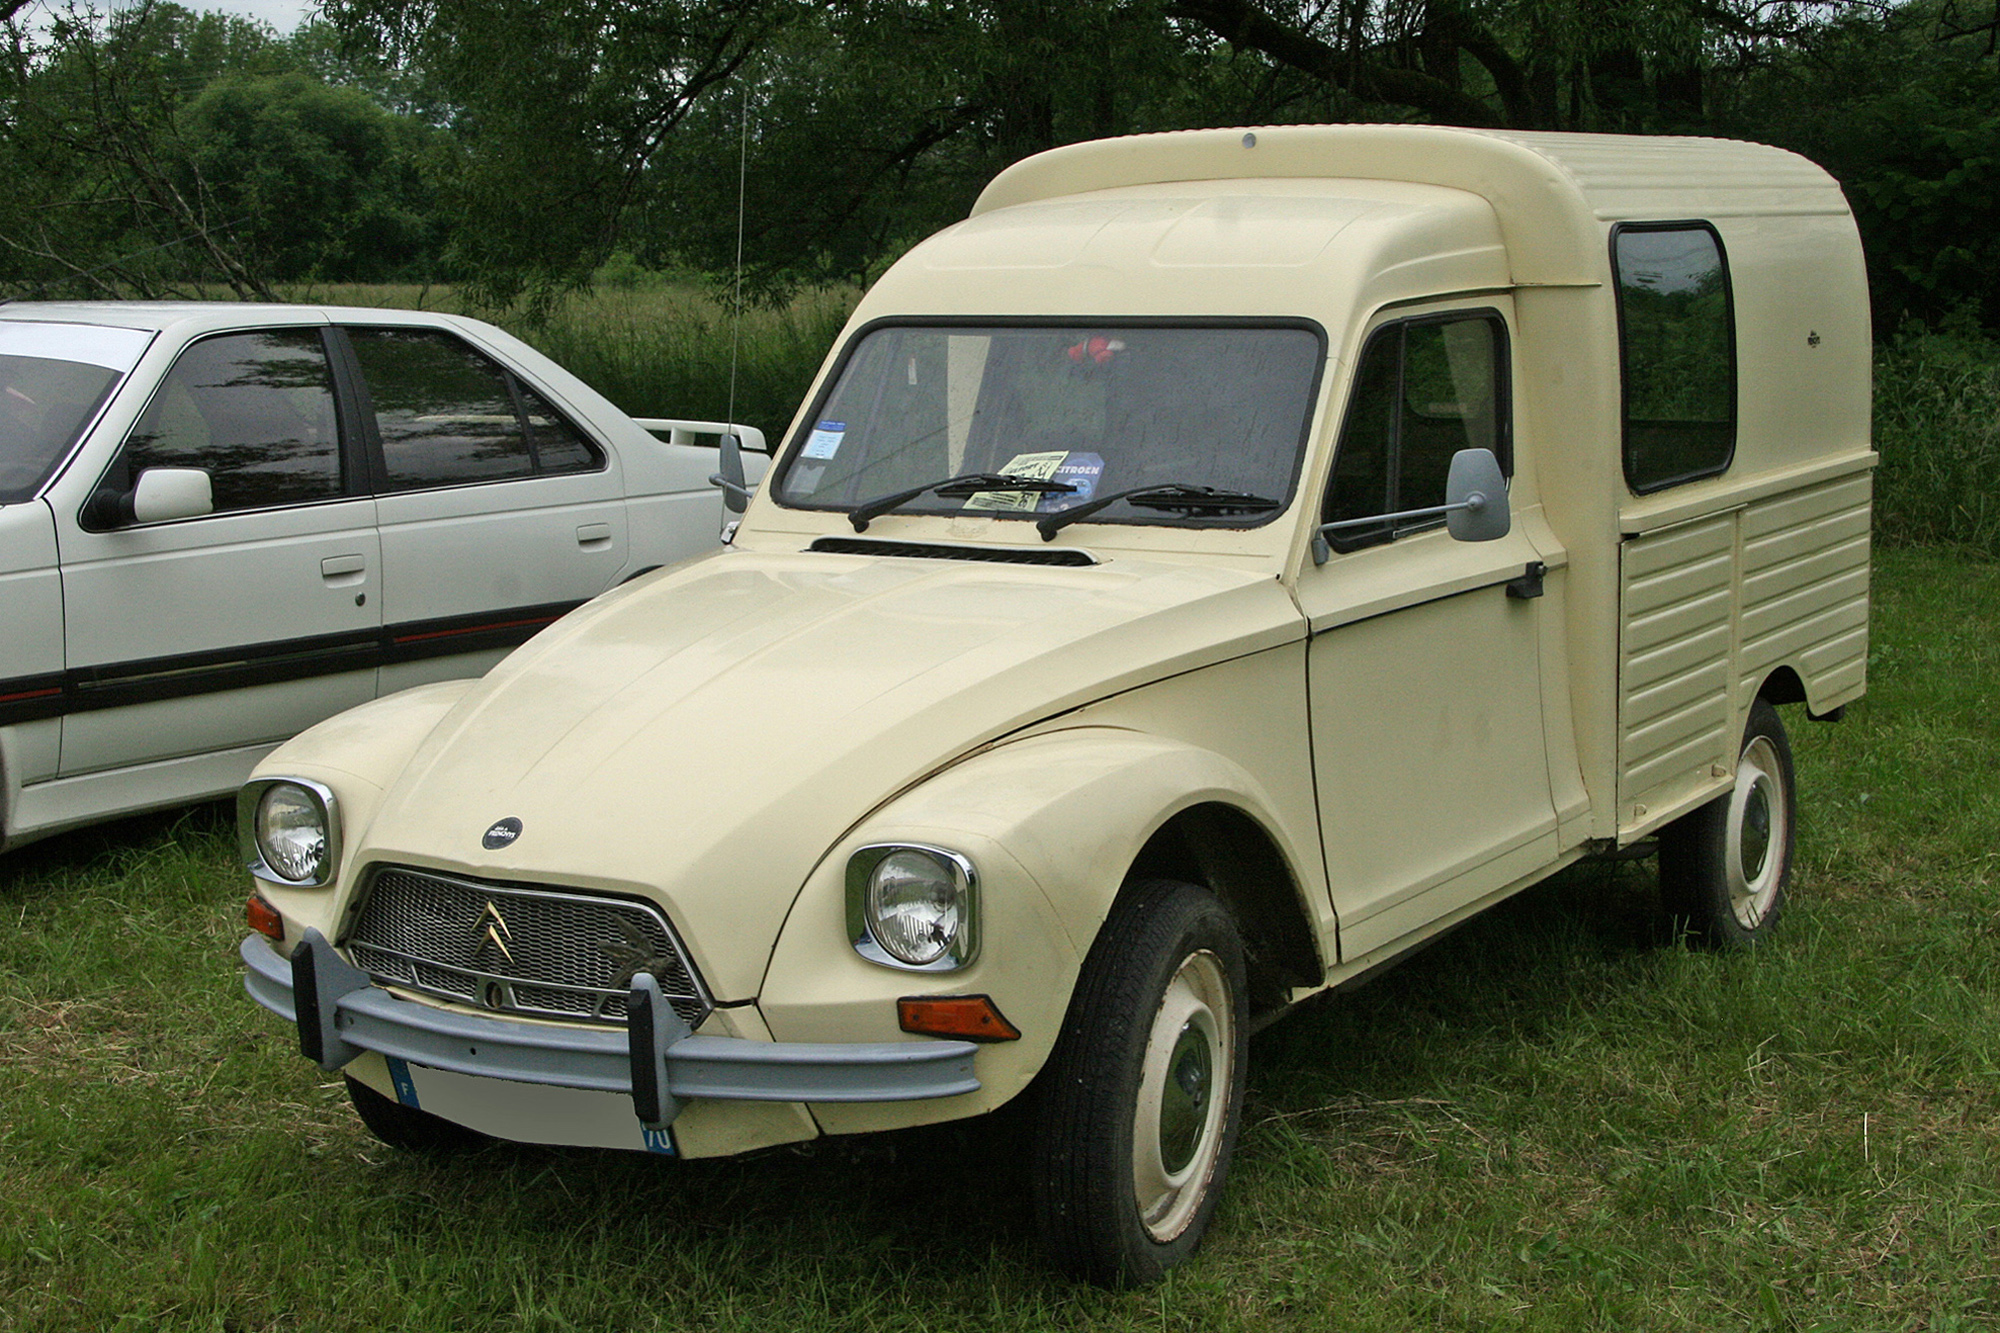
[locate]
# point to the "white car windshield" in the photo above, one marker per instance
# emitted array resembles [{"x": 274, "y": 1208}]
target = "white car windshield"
[
  {"x": 1198, "y": 425},
  {"x": 53, "y": 378}
]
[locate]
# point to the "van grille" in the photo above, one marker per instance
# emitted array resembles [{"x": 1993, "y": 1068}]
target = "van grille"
[{"x": 514, "y": 949}]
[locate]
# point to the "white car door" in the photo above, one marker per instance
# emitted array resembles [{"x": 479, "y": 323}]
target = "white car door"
[
  {"x": 497, "y": 514},
  {"x": 54, "y": 378},
  {"x": 206, "y": 638}
]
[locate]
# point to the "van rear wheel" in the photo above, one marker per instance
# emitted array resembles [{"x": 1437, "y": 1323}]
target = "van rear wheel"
[
  {"x": 1724, "y": 867},
  {"x": 1142, "y": 1095}
]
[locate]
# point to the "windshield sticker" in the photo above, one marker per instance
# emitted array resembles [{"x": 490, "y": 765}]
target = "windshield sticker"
[
  {"x": 825, "y": 440},
  {"x": 1034, "y": 467},
  {"x": 1080, "y": 470}
]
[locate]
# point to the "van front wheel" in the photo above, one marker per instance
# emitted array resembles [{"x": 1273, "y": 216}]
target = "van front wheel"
[
  {"x": 1724, "y": 867},
  {"x": 1141, "y": 1097}
]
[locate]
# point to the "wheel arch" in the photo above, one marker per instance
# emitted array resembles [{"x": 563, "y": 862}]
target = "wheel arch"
[
  {"x": 1783, "y": 685},
  {"x": 1222, "y": 848}
]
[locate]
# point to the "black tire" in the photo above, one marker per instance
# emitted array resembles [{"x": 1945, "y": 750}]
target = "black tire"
[
  {"x": 407, "y": 1129},
  {"x": 1140, "y": 1100},
  {"x": 1724, "y": 867}
]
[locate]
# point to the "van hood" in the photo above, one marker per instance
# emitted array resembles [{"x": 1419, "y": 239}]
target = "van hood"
[{"x": 703, "y": 737}]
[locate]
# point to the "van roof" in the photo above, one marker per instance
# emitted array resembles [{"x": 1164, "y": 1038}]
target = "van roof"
[{"x": 1554, "y": 194}]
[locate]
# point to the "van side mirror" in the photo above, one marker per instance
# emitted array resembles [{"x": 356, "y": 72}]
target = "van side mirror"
[
  {"x": 1475, "y": 497},
  {"x": 735, "y": 487},
  {"x": 1475, "y": 507},
  {"x": 166, "y": 493}
]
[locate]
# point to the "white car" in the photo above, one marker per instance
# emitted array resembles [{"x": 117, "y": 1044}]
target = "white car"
[{"x": 222, "y": 523}]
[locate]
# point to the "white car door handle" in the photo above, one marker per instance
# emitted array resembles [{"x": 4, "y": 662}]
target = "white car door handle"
[
  {"x": 593, "y": 534},
  {"x": 338, "y": 566}
]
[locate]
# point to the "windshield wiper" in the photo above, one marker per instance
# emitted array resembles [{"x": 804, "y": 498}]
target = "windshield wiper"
[
  {"x": 967, "y": 484},
  {"x": 1173, "y": 495}
]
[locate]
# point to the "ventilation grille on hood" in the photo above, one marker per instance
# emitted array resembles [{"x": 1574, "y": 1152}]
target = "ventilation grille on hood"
[{"x": 1005, "y": 555}]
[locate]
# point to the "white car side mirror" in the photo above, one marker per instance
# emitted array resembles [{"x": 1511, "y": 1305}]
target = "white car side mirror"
[{"x": 167, "y": 493}]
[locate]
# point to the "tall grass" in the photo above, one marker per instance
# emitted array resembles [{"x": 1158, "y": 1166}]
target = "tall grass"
[
  {"x": 1937, "y": 424},
  {"x": 667, "y": 352}
]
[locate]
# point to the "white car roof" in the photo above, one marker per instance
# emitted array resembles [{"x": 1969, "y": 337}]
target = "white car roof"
[{"x": 158, "y": 316}]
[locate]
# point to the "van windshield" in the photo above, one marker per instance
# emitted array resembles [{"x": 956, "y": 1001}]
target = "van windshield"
[{"x": 1092, "y": 410}]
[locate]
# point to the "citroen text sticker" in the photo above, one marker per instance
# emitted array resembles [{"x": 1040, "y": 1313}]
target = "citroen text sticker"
[{"x": 1080, "y": 470}]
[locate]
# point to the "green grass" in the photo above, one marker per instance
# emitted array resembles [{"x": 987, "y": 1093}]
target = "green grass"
[{"x": 1548, "y": 1121}]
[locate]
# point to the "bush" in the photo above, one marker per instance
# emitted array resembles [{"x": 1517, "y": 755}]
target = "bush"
[
  {"x": 666, "y": 352},
  {"x": 1937, "y": 424}
]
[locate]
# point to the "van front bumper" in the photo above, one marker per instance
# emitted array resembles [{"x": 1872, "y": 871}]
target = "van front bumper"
[{"x": 340, "y": 1012}]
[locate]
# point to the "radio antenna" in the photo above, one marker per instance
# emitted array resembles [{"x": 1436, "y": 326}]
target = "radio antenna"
[{"x": 736, "y": 311}]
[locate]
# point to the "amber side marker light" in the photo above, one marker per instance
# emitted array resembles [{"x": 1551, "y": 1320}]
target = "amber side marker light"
[
  {"x": 264, "y": 918},
  {"x": 972, "y": 1017}
]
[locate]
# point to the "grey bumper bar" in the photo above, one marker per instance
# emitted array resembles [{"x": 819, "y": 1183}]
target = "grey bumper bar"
[{"x": 340, "y": 1013}]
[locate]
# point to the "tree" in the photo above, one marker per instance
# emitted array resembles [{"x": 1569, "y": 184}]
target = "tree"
[
  {"x": 556, "y": 111},
  {"x": 155, "y": 151},
  {"x": 1905, "y": 111},
  {"x": 325, "y": 178}
]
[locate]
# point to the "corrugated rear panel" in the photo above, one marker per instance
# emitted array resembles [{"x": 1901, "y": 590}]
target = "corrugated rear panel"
[
  {"x": 1674, "y": 715},
  {"x": 1805, "y": 590}
]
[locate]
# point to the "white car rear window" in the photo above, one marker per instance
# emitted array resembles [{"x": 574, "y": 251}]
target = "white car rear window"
[{"x": 90, "y": 344}]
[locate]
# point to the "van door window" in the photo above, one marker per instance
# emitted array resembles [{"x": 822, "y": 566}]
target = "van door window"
[
  {"x": 1677, "y": 339},
  {"x": 1425, "y": 389},
  {"x": 253, "y": 410}
]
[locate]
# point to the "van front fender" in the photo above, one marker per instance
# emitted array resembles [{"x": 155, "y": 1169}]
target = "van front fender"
[
  {"x": 1052, "y": 824},
  {"x": 356, "y": 755}
]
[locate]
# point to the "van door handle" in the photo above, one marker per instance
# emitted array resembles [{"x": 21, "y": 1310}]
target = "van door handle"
[
  {"x": 339, "y": 567},
  {"x": 590, "y": 535},
  {"x": 1529, "y": 584}
]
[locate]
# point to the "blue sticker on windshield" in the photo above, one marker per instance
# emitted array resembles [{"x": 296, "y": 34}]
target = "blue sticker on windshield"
[
  {"x": 825, "y": 440},
  {"x": 1080, "y": 470}
]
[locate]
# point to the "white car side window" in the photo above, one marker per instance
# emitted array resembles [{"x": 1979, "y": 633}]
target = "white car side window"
[{"x": 253, "y": 410}]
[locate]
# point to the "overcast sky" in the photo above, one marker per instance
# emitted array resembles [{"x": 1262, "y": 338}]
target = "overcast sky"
[{"x": 284, "y": 15}]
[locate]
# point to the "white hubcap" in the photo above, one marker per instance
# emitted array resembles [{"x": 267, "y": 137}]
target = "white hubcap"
[
  {"x": 1755, "y": 839},
  {"x": 1183, "y": 1092}
]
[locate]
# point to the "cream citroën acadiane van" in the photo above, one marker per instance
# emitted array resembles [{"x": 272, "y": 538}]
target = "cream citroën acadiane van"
[{"x": 1219, "y": 565}]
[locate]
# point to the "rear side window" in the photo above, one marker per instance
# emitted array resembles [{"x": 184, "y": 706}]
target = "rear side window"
[
  {"x": 1677, "y": 341},
  {"x": 253, "y": 410},
  {"x": 1425, "y": 389},
  {"x": 448, "y": 416}
]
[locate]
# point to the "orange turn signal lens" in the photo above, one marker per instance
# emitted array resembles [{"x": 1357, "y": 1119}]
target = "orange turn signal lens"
[
  {"x": 972, "y": 1017},
  {"x": 264, "y": 918}
]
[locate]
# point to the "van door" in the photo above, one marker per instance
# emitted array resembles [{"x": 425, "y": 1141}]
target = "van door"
[
  {"x": 241, "y": 627},
  {"x": 1424, "y": 668},
  {"x": 497, "y": 514}
]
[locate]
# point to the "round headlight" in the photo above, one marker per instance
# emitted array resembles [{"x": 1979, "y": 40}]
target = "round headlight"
[
  {"x": 917, "y": 905},
  {"x": 292, "y": 832}
]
